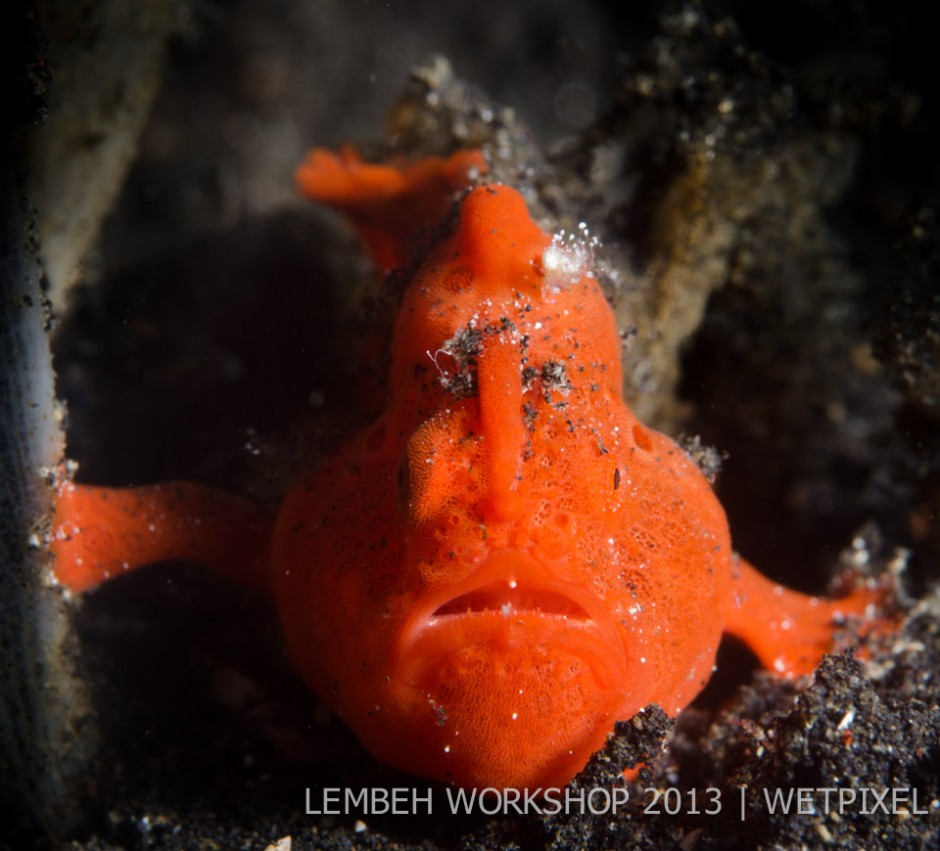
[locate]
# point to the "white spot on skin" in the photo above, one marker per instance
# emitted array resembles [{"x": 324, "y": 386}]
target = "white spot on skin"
[{"x": 568, "y": 258}]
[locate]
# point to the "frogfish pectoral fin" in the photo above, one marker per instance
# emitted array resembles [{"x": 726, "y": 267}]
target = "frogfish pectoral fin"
[
  {"x": 100, "y": 532},
  {"x": 790, "y": 632}
]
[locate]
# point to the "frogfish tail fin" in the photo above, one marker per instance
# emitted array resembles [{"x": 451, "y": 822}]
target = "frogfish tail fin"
[{"x": 387, "y": 204}]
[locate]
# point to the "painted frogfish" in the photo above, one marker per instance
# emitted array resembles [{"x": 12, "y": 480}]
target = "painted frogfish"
[{"x": 506, "y": 562}]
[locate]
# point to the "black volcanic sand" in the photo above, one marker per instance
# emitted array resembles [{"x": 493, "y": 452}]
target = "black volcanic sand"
[{"x": 765, "y": 183}]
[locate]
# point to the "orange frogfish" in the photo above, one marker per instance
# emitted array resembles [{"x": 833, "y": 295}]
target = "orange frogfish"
[{"x": 506, "y": 562}]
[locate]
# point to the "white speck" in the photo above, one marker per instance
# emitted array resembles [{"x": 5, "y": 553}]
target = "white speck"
[
  {"x": 847, "y": 719},
  {"x": 506, "y": 610},
  {"x": 513, "y": 583},
  {"x": 859, "y": 555},
  {"x": 643, "y": 660},
  {"x": 569, "y": 258},
  {"x": 360, "y": 826},
  {"x": 515, "y": 715},
  {"x": 446, "y": 748}
]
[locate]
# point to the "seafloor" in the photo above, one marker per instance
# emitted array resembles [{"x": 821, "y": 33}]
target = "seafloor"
[{"x": 765, "y": 181}]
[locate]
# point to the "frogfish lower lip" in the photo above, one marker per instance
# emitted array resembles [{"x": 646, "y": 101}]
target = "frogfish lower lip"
[
  {"x": 509, "y": 603},
  {"x": 507, "y": 598}
]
